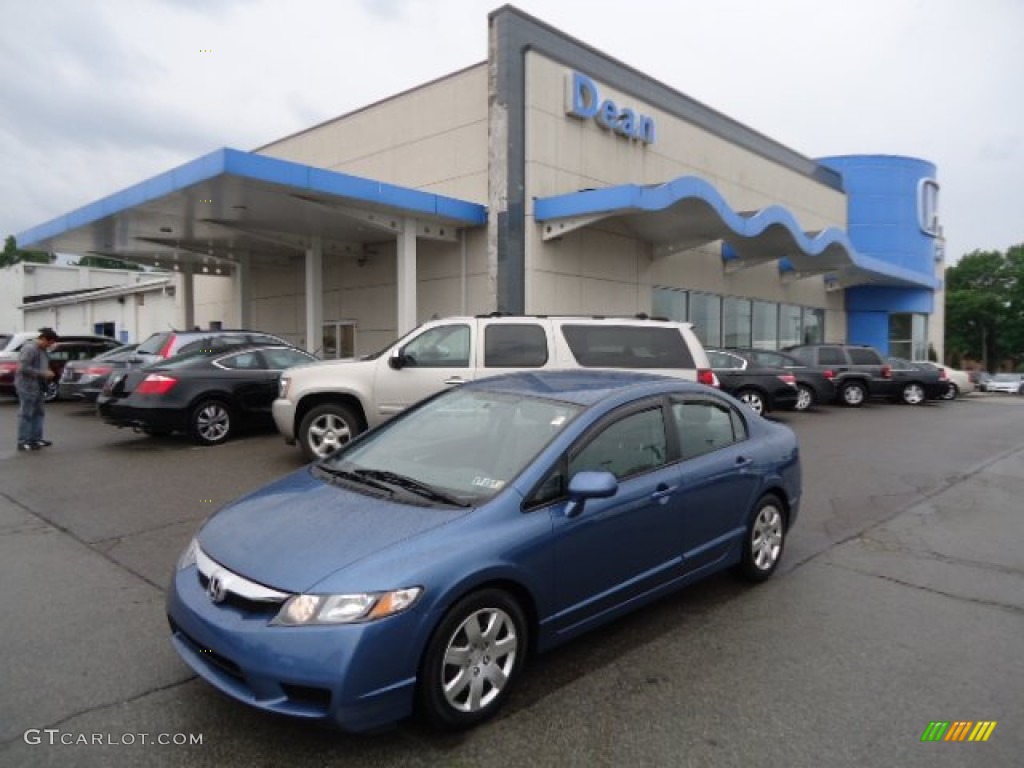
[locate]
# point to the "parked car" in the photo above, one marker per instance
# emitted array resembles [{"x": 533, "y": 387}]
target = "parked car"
[
  {"x": 324, "y": 405},
  {"x": 209, "y": 396},
  {"x": 859, "y": 371},
  {"x": 165, "y": 344},
  {"x": 417, "y": 567},
  {"x": 916, "y": 383},
  {"x": 957, "y": 382},
  {"x": 980, "y": 379},
  {"x": 62, "y": 352},
  {"x": 84, "y": 379},
  {"x": 1012, "y": 383},
  {"x": 814, "y": 385},
  {"x": 761, "y": 388}
]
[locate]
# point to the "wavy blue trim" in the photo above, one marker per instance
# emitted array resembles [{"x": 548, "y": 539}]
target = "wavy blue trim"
[{"x": 627, "y": 199}]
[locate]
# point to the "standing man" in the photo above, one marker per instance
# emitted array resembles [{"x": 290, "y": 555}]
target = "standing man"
[{"x": 30, "y": 383}]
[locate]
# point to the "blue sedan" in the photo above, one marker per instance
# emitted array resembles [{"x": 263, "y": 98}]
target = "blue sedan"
[{"x": 418, "y": 567}]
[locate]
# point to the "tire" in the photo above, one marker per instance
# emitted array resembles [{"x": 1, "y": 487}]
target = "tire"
[
  {"x": 764, "y": 541},
  {"x": 804, "y": 398},
  {"x": 474, "y": 658},
  {"x": 325, "y": 429},
  {"x": 52, "y": 391},
  {"x": 852, "y": 394},
  {"x": 952, "y": 392},
  {"x": 913, "y": 394},
  {"x": 753, "y": 400},
  {"x": 210, "y": 422}
]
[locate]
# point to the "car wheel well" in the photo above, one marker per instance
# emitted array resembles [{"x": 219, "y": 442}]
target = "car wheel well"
[
  {"x": 309, "y": 402},
  {"x": 516, "y": 590},
  {"x": 779, "y": 496}
]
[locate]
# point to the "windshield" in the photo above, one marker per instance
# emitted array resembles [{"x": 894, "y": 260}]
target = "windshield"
[
  {"x": 1007, "y": 377},
  {"x": 466, "y": 444}
]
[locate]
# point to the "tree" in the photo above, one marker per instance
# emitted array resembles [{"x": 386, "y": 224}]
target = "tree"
[
  {"x": 12, "y": 254},
  {"x": 105, "y": 262},
  {"x": 985, "y": 306}
]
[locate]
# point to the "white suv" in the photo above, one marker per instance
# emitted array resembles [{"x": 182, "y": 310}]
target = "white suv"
[{"x": 324, "y": 405}]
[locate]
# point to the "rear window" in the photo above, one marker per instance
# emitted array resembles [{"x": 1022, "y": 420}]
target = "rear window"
[
  {"x": 627, "y": 346},
  {"x": 865, "y": 357},
  {"x": 829, "y": 356},
  {"x": 516, "y": 345}
]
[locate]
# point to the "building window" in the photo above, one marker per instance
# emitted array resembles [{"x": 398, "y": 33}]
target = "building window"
[
  {"x": 339, "y": 339},
  {"x": 766, "y": 325},
  {"x": 736, "y": 322},
  {"x": 908, "y": 335},
  {"x": 790, "y": 325},
  {"x": 670, "y": 304},
  {"x": 814, "y": 326},
  {"x": 706, "y": 316}
]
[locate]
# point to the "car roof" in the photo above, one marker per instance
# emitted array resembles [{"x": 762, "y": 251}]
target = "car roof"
[{"x": 583, "y": 387}]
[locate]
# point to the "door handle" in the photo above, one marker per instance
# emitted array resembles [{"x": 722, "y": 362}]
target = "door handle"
[
  {"x": 662, "y": 492},
  {"x": 743, "y": 462},
  {"x": 455, "y": 380}
]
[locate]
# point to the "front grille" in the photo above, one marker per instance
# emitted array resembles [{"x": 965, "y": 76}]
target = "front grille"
[{"x": 242, "y": 603}]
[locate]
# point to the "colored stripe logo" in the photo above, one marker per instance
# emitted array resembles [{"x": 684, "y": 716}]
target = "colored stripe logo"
[{"x": 958, "y": 730}]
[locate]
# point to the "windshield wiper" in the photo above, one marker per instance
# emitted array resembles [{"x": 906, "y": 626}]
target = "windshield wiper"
[
  {"x": 354, "y": 477},
  {"x": 412, "y": 485}
]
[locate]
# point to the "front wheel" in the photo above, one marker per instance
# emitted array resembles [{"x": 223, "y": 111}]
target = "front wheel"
[
  {"x": 753, "y": 400},
  {"x": 765, "y": 540},
  {"x": 913, "y": 394},
  {"x": 325, "y": 429},
  {"x": 473, "y": 659},
  {"x": 210, "y": 422}
]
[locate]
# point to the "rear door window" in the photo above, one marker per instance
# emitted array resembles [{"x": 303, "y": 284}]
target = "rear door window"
[
  {"x": 831, "y": 356},
  {"x": 627, "y": 346},
  {"x": 515, "y": 345}
]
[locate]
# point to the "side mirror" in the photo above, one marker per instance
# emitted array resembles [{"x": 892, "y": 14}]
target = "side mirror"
[
  {"x": 397, "y": 360},
  {"x": 589, "y": 485}
]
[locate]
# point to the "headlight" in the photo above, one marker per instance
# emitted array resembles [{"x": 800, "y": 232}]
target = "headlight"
[
  {"x": 301, "y": 610},
  {"x": 282, "y": 387},
  {"x": 188, "y": 557}
]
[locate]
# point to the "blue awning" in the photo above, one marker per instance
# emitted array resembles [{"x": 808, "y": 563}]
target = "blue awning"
[
  {"x": 231, "y": 202},
  {"x": 689, "y": 212}
]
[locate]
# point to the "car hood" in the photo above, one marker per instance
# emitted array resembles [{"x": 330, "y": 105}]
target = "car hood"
[{"x": 297, "y": 531}]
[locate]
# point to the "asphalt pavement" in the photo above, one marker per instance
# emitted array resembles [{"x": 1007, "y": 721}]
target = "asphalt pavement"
[{"x": 900, "y": 603}]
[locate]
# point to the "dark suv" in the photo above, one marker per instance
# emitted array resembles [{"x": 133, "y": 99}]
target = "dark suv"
[{"x": 858, "y": 370}]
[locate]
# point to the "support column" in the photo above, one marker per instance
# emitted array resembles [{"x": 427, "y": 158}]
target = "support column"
[
  {"x": 242, "y": 291},
  {"x": 188, "y": 298},
  {"x": 314, "y": 296},
  {"x": 406, "y": 298}
]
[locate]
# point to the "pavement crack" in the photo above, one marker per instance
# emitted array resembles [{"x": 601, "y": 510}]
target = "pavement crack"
[
  {"x": 107, "y": 705},
  {"x": 89, "y": 545},
  {"x": 1015, "y": 609},
  {"x": 929, "y": 554}
]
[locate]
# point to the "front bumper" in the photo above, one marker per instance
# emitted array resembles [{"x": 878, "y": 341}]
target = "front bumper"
[
  {"x": 356, "y": 677},
  {"x": 284, "y": 418}
]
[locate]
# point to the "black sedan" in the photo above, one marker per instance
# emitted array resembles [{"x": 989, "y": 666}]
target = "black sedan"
[
  {"x": 84, "y": 379},
  {"x": 763, "y": 388},
  {"x": 208, "y": 396},
  {"x": 915, "y": 383},
  {"x": 814, "y": 385}
]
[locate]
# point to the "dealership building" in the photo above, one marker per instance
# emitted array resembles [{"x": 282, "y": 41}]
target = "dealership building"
[{"x": 548, "y": 179}]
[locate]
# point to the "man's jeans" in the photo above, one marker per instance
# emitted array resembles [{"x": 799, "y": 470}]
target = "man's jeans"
[{"x": 30, "y": 416}]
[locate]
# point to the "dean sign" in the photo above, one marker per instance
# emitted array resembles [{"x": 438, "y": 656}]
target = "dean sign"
[{"x": 583, "y": 101}]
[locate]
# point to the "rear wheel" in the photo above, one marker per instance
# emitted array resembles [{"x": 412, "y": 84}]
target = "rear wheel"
[
  {"x": 765, "y": 540},
  {"x": 210, "y": 422},
  {"x": 952, "y": 392},
  {"x": 913, "y": 394},
  {"x": 853, "y": 394},
  {"x": 753, "y": 400},
  {"x": 473, "y": 659},
  {"x": 51, "y": 391},
  {"x": 804, "y": 398}
]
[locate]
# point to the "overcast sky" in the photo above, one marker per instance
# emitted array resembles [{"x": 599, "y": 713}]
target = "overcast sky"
[{"x": 96, "y": 95}]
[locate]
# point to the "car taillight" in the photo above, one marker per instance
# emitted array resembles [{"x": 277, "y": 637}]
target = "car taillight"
[
  {"x": 156, "y": 384},
  {"x": 97, "y": 370},
  {"x": 829, "y": 374},
  {"x": 165, "y": 350},
  {"x": 788, "y": 378},
  {"x": 942, "y": 374},
  {"x": 886, "y": 371},
  {"x": 707, "y": 376},
  {"x": 8, "y": 369}
]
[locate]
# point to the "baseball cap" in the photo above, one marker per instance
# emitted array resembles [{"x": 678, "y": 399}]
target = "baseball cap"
[{"x": 49, "y": 334}]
